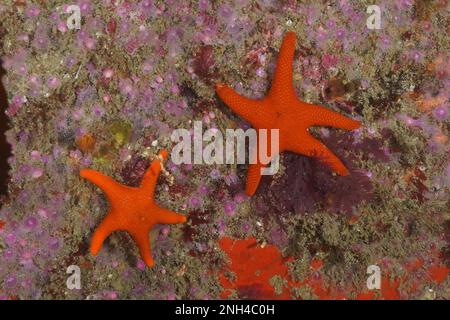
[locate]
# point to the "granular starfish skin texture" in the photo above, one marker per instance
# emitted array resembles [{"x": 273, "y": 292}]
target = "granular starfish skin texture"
[
  {"x": 281, "y": 109},
  {"x": 131, "y": 209}
]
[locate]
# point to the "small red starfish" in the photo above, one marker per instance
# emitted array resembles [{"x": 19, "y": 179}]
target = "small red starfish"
[
  {"x": 282, "y": 110},
  {"x": 131, "y": 209}
]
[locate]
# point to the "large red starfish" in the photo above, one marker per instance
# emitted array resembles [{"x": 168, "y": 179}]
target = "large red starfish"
[
  {"x": 131, "y": 209},
  {"x": 282, "y": 110}
]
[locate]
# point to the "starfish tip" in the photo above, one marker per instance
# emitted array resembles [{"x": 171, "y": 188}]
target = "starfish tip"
[
  {"x": 82, "y": 172},
  {"x": 290, "y": 34},
  {"x": 93, "y": 251},
  {"x": 356, "y": 124},
  {"x": 250, "y": 192},
  {"x": 163, "y": 153},
  {"x": 219, "y": 86}
]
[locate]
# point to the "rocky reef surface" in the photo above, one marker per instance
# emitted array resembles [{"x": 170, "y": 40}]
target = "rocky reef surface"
[{"x": 108, "y": 95}]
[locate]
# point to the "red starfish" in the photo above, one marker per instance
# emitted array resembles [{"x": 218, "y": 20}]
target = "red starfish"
[
  {"x": 131, "y": 209},
  {"x": 282, "y": 110}
]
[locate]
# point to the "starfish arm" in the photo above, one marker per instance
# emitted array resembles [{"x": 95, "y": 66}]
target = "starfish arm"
[
  {"x": 263, "y": 156},
  {"x": 321, "y": 116},
  {"x": 108, "y": 185},
  {"x": 143, "y": 242},
  {"x": 150, "y": 178},
  {"x": 169, "y": 217},
  {"x": 282, "y": 80},
  {"x": 253, "y": 178},
  {"x": 312, "y": 147},
  {"x": 249, "y": 109},
  {"x": 102, "y": 232}
]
